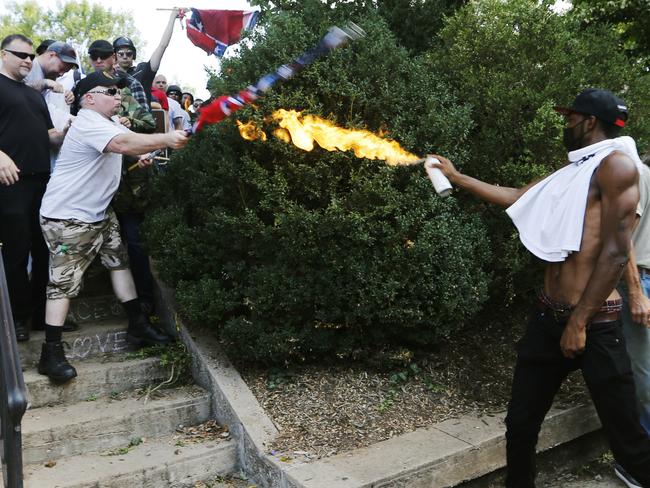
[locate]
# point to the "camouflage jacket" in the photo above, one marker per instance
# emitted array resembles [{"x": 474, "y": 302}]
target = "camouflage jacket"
[
  {"x": 133, "y": 193},
  {"x": 141, "y": 119}
]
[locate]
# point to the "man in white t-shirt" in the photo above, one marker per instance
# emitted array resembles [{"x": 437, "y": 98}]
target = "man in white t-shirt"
[
  {"x": 76, "y": 220},
  {"x": 635, "y": 289},
  {"x": 175, "y": 94},
  {"x": 56, "y": 60},
  {"x": 175, "y": 109}
]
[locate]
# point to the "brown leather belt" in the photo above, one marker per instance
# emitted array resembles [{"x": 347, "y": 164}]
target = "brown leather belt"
[{"x": 609, "y": 312}]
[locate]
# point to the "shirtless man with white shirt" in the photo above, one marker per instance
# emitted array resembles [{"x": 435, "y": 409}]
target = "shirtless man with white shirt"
[
  {"x": 77, "y": 222},
  {"x": 577, "y": 324}
]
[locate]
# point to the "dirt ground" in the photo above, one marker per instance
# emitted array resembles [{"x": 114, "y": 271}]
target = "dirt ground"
[
  {"x": 599, "y": 474},
  {"x": 322, "y": 410}
]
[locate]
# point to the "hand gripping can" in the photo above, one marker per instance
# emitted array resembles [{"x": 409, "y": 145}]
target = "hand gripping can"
[{"x": 440, "y": 182}]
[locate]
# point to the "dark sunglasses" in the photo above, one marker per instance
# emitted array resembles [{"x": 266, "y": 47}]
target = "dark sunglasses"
[
  {"x": 101, "y": 55},
  {"x": 21, "y": 55},
  {"x": 125, "y": 54},
  {"x": 111, "y": 92}
]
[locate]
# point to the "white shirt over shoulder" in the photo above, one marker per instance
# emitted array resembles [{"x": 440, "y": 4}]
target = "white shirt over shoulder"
[
  {"x": 85, "y": 177},
  {"x": 550, "y": 215}
]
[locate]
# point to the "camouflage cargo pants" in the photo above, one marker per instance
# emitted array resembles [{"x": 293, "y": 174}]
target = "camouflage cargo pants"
[{"x": 74, "y": 244}]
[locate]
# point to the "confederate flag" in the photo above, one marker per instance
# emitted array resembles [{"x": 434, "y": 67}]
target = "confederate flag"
[{"x": 215, "y": 30}]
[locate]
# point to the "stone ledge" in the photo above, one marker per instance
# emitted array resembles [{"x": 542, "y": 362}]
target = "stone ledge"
[{"x": 442, "y": 455}]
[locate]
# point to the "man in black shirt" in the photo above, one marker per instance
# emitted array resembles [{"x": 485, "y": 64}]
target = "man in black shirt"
[
  {"x": 26, "y": 133},
  {"x": 146, "y": 71}
]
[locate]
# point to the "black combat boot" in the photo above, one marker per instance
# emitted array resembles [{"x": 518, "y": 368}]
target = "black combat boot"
[
  {"x": 142, "y": 333},
  {"x": 54, "y": 364}
]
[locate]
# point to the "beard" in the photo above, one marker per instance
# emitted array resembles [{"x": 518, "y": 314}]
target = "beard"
[{"x": 572, "y": 141}]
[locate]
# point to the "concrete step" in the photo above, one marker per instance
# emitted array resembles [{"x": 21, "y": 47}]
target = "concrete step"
[
  {"x": 554, "y": 464},
  {"x": 441, "y": 456},
  {"x": 160, "y": 463},
  {"x": 85, "y": 427},
  {"x": 94, "y": 380},
  {"x": 91, "y": 340}
]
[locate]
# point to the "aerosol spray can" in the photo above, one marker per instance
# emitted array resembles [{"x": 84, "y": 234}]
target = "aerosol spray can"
[{"x": 440, "y": 182}]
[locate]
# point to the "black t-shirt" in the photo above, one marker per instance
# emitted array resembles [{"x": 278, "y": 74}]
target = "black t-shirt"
[
  {"x": 24, "y": 125},
  {"x": 145, "y": 75}
]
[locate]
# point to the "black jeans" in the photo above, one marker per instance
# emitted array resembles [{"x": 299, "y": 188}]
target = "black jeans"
[
  {"x": 539, "y": 372},
  {"x": 20, "y": 233},
  {"x": 138, "y": 258}
]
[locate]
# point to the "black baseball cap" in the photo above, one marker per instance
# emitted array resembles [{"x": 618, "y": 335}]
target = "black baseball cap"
[
  {"x": 600, "y": 103},
  {"x": 64, "y": 51},
  {"x": 100, "y": 46},
  {"x": 42, "y": 47},
  {"x": 98, "y": 78}
]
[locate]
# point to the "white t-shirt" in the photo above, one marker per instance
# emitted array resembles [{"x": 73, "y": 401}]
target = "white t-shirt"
[
  {"x": 176, "y": 112},
  {"x": 641, "y": 235},
  {"x": 85, "y": 177},
  {"x": 35, "y": 75}
]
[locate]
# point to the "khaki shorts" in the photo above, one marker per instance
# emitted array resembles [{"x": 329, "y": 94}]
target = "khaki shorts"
[{"x": 74, "y": 244}]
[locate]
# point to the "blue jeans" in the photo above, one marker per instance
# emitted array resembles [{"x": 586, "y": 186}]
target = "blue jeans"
[{"x": 637, "y": 338}]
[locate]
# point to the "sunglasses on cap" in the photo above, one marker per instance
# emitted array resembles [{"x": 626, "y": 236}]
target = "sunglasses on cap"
[
  {"x": 21, "y": 55},
  {"x": 111, "y": 92},
  {"x": 99, "y": 54},
  {"x": 125, "y": 54}
]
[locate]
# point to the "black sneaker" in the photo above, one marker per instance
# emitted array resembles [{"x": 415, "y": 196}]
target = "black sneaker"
[
  {"x": 54, "y": 364},
  {"x": 143, "y": 333},
  {"x": 22, "y": 331},
  {"x": 625, "y": 477}
]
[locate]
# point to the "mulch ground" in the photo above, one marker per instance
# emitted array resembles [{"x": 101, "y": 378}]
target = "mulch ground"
[{"x": 322, "y": 410}]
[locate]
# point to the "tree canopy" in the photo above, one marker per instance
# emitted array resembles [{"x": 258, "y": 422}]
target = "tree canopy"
[
  {"x": 630, "y": 19},
  {"x": 72, "y": 20}
]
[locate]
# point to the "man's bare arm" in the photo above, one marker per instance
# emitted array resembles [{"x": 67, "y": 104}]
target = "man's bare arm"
[
  {"x": 639, "y": 303},
  {"x": 617, "y": 178},
  {"x": 46, "y": 83},
  {"x": 56, "y": 136},
  {"x": 499, "y": 195},
  {"x": 157, "y": 55},
  {"x": 134, "y": 144}
]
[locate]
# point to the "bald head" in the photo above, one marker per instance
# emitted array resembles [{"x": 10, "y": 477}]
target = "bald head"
[{"x": 160, "y": 82}]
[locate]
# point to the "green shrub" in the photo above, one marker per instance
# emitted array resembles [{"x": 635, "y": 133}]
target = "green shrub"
[
  {"x": 294, "y": 255},
  {"x": 512, "y": 62}
]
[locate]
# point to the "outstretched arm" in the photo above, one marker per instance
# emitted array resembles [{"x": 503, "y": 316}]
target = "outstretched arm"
[
  {"x": 135, "y": 144},
  {"x": 617, "y": 179},
  {"x": 157, "y": 55},
  {"x": 499, "y": 195}
]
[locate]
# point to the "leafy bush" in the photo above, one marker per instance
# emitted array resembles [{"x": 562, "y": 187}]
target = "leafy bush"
[
  {"x": 293, "y": 255},
  {"x": 512, "y": 62}
]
